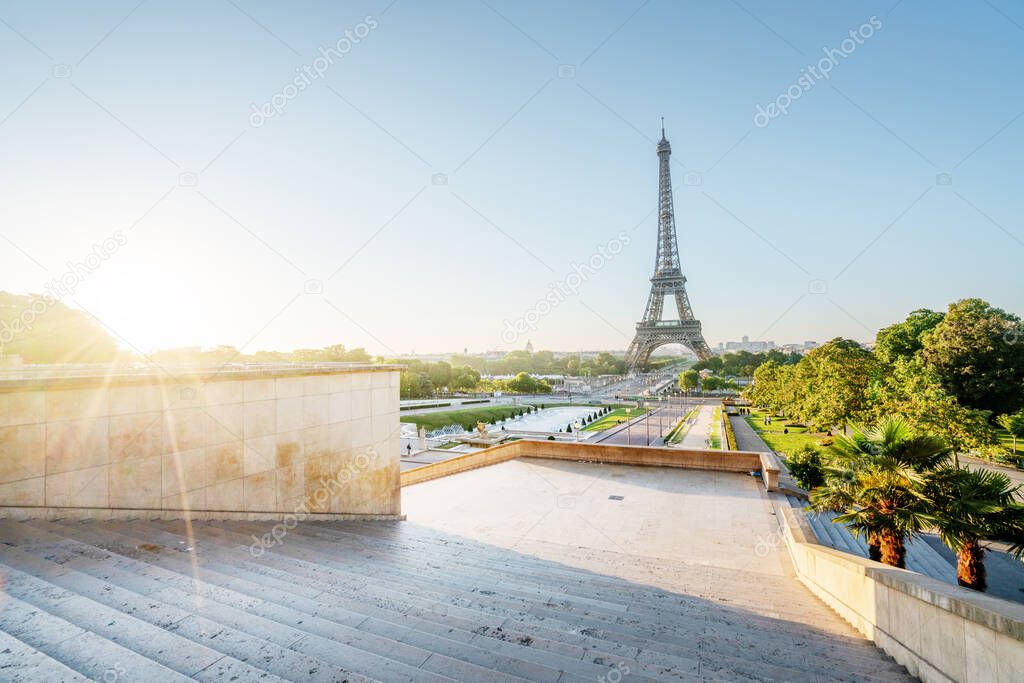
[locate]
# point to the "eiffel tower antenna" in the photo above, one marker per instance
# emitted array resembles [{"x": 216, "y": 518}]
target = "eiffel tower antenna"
[{"x": 652, "y": 331}]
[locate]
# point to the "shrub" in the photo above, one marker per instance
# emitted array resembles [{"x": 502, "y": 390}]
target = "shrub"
[
  {"x": 827, "y": 441},
  {"x": 806, "y": 467},
  {"x": 551, "y": 438}
]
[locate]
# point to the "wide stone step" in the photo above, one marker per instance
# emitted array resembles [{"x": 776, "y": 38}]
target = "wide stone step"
[
  {"x": 22, "y": 663},
  {"x": 249, "y": 625},
  {"x": 84, "y": 652},
  {"x": 660, "y": 616},
  {"x": 540, "y": 666},
  {"x": 848, "y": 657}
]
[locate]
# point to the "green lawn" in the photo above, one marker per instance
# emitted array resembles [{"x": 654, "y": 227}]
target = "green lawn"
[
  {"x": 1006, "y": 441},
  {"x": 785, "y": 443},
  {"x": 680, "y": 430},
  {"x": 611, "y": 419},
  {"x": 469, "y": 416},
  {"x": 716, "y": 427}
]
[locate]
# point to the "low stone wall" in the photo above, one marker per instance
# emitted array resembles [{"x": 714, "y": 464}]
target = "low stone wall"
[
  {"x": 938, "y": 631},
  {"x": 256, "y": 444},
  {"x": 728, "y": 461}
]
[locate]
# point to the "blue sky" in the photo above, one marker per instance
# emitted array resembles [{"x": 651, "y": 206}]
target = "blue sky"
[{"x": 326, "y": 225}]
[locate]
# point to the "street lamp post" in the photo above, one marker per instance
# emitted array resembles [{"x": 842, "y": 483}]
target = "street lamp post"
[{"x": 579, "y": 427}]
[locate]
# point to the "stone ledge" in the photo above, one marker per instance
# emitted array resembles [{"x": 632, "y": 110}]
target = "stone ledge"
[
  {"x": 107, "y": 514},
  {"x": 181, "y": 376},
  {"x": 940, "y": 632}
]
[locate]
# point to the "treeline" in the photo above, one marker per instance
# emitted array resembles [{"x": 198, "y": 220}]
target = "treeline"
[
  {"x": 42, "y": 330},
  {"x": 690, "y": 380},
  {"x": 543, "y": 363},
  {"x": 950, "y": 374},
  {"x": 336, "y": 353},
  {"x": 743, "y": 363},
  {"x": 423, "y": 379}
]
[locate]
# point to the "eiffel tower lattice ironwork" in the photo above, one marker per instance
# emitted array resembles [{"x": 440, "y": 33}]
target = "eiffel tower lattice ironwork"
[{"x": 668, "y": 280}]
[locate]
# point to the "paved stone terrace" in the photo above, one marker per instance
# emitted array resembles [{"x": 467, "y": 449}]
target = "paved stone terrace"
[{"x": 535, "y": 598}]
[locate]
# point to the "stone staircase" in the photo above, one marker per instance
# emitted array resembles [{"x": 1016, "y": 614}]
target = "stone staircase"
[
  {"x": 921, "y": 556},
  {"x": 362, "y": 601}
]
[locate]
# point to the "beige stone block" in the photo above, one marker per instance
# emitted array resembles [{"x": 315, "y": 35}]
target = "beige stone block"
[
  {"x": 76, "y": 444},
  {"x": 362, "y": 403},
  {"x": 319, "y": 483},
  {"x": 183, "y": 471},
  {"x": 22, "y": 452},
  {"x": 385, "y": 401},
  {"x": 228, "y": 496},
  {"x": 316, "y": 441},
  {"x": 135, "y": 436},
  {"x": 1009, "y": 658},
  {"x": 379, "y": 380},
  {"x": 340, "y": 437},
  {"x": 5, "y": 410},
  {"x": 260, "y": 454},
  {"x": 26, "y": 407},
  {"x": 123, "y": 400},
  {"x": 259, "y": 491},
  {"x": 289, "y": 414},
  {"x": 260, "y": 418},
  {"x": 340, "y": 407},
  {"x": 315, "y": 385},
  {"x": 362, "y": 433},
  {"x": 394, "y": 380},
  {"x": 219, "y": 393},
  {"x": 362, "y": 380},
  {"x": 383, "y": 427},
  {"x": 185, "y": 500},
  {"x": 942, "y": 641},
  {"x": 224, "y": 462},
  {"x": 224, "y": 423},
  {"x": 79, "y": 488},
  {"x": 63, "y": 405},
  {"x": 184, "y": 429},
  {"x": 340, "y": 383},
  {"x": 136, "y": 483},
  {"x": 289, "y": 448},
  {"x": 258, "y": 390},
  {"x": 186, "y": 395},
  {"x": 153, "y": 397},
  {"x": 26, "y": 492},
  {"x": 980, "y": 651},
  {"x": 291, "y": 486},
  {"x": 289, "y": 387},
  {"x": 315, "y": 410}
]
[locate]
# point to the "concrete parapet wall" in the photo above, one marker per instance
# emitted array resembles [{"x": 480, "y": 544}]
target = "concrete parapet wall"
[
  {"x": 728, "y": 461},
  {"x": 939, "y": 632},
  {"x": 231, "y": 445}
]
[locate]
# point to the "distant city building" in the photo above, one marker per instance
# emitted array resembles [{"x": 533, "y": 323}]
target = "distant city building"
[
  {"x": 529, "y": 346},
  {"x": 746, "y": 345}
]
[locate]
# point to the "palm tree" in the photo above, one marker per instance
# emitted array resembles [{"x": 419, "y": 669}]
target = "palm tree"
[
  {"x": 876, "y": 485},
  {"x": 970, "y": 505}
]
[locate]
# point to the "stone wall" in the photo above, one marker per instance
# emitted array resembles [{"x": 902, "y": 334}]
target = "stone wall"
[
  {"x": 249, "y": 444},
  {"x": 729, "y": 461},
  {"x": 939, "y": 632}
]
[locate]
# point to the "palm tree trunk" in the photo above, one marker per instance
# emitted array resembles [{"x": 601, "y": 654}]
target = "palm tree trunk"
[
  {"x": 874, "y": 547},
  {"x": 970, "y": 566},
  {"x": 894, "y": 552}
]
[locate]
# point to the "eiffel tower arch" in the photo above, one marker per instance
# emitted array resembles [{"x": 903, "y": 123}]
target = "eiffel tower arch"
[{"x": 668, "y": 282}]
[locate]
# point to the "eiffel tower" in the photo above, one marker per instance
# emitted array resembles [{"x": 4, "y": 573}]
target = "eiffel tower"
[{"x": 668, "y": 279}]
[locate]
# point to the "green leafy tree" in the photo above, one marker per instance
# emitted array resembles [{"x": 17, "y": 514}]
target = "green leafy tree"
[
  {"x": 913, "y": 390},
  {"x": 805, "y": 464},
  {"x": 1014, "y": 424},
  {"x": 903, "y": 340},
  {"x": 834, "y": 380},
  {"x": 688, "y": 380},
  {"x": 978, "y": 356}
]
